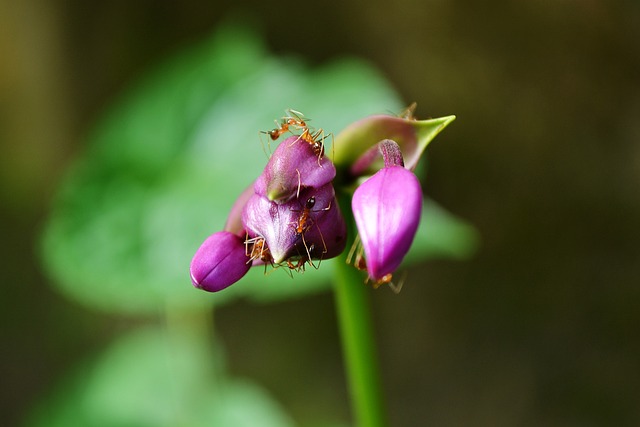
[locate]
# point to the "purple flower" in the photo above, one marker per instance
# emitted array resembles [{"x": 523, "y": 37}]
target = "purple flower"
[
  {"x": 387, "y": 210},
  {"x": 290, "y": 216},
  {"x": 219, "y": 262},
  {"x": 308, "y": 227}
]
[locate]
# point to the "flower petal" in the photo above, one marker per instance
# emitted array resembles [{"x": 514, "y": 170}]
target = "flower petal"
[
  {"x": 294, "y": 165},
  {"x": 300, "y": 228}
]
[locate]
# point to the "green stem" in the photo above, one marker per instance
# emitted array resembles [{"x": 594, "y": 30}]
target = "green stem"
[
  {"x": 358, "y": 345},
  {"x": 190, "y": 336}
]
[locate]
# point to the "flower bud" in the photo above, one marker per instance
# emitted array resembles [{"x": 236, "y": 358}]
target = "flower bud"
[
  {"x": 293, "y": 166},
  {"x": 219, "y": 262},
  {"x": 387, "y": 211}
]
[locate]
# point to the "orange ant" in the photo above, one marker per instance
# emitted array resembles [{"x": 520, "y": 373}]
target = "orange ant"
[
  {"x": 296, "y": 120},
  {"x": 256, "y": 248},
  {"x": 360, "y": 263},
  {"x": 298, "y": 266},
  {"x": 303, "y": 225},
  {"x": 316, "y": 140}
]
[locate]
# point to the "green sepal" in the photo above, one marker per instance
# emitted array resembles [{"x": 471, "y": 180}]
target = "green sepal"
[{"x": 412, "y": 136}]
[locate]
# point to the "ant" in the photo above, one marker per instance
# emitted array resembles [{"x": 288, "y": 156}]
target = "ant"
[
  {"x": 256, "y": 248},
  {"x": 304, "y": 224},
  {"x": 316, "y": 140},
  {"x": 296, "y": 120},
  {"x": 360, "y": 263},
  {"x": 298, "y": 266}
]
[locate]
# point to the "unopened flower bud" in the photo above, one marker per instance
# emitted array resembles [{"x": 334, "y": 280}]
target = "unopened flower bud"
[
  {"x": 219, "y": 262},
  {"x": 387, "y": 211}
]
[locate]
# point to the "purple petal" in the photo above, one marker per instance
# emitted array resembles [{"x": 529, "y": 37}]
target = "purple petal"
[
  {"x": 387, "y": 211},
  {"x": 294, "y": 165},
  {"x": 219, "y": 262},
  {"x": 298, "y": 229}
]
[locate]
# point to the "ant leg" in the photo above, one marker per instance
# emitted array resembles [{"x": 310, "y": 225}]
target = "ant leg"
[
  {"x": 264, "y": 149},
  {"x": 304, "y": 242},
  {"x": 333, "y": 148},
  {"x": 354, "y": 248},
  {"x": 324, "y": 247},
  {"x": 299, "y": 184},
  {"x": 396, "y": 288}
]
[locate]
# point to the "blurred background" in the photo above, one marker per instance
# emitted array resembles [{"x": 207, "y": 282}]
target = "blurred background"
[{"x": 539, "y": 327}]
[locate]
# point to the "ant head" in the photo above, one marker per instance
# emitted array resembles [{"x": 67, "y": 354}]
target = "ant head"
[
  {"x": 274, "y": 134},
  {"x": 310, "y": 202}
]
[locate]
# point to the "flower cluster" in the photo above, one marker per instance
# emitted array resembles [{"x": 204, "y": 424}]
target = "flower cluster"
[{"x": 290, "y": 216}]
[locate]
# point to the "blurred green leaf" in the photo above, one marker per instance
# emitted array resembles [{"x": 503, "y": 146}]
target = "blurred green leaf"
[
  {"x": 442, "y": 235},
  {"x": 147, "y": 380}
]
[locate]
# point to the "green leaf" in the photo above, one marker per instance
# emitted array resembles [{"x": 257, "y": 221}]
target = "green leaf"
[
  {"x": 165, "y": 165},
  {"x": 145, "y": 379}
]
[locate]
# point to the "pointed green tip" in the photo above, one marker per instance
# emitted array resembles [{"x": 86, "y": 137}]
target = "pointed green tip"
[
  {"x": 276, "y": 191},
  {"x": 277, "y": 195},
  {"x": 437, "y": 123},
  {"x": 447, "y": 119},
  {"x": 426, "y": 130}
]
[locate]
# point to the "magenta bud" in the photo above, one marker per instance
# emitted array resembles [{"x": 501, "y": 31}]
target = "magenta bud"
[
  {"x": 387, "y": 210},
  {"x": 219, "y": 262},
  {"x": 310, "y": 226},
  {"x": 293, "y": 166}
]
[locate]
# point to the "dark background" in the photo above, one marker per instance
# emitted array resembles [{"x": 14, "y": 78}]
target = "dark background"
[{"x": 539, "y": 328}]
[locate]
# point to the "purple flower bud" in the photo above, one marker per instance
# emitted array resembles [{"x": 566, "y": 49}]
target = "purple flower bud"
[
  {"x": 387, "y": 211},
  {"x": 294, "y": 165},
  {"x": 219, "y": 262},
  {"x": 307, "y": 227}
]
